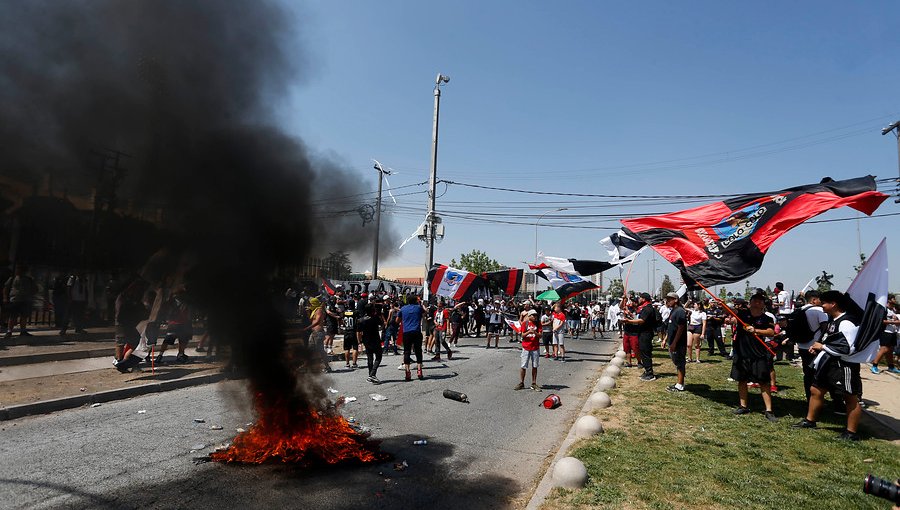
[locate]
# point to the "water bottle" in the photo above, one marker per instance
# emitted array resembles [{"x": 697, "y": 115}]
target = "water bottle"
[{"x": 420, "y": 442}]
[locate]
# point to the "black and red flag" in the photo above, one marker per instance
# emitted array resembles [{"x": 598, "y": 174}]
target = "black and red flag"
[
  {"x": 725, "y": 242},
  {"x": 508, "y": 280},
  {"x": 328, "y": 286}
]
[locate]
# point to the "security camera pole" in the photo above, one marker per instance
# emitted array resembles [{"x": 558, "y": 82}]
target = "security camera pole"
[
  {"x": 895, "y": 128},
  {"x": 431, "y": 220}
]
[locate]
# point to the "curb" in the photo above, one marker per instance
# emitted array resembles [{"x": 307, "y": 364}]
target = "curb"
[
  {"x": 60, "y": 404},
  {"x": 546, "y": 484},
  {"x": 28, "y": 359}
]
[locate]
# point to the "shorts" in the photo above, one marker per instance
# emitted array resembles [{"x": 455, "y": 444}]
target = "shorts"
[
  {"x": 679, "y": 355},
  {"x": 127, "y": 336},
  {"x": 596, "y": 324},
  {"x": 331, "y": 330},
  {"x": 756, "y": 370},
  {"x": 572, "y": 324},
  {"x": 840, "y": 377},
  {"x": 493, "y": 327},
  {"x": 558, "y": 336},
  {"x": 547, "y": 338},
  {"x": 183, "y": 334},
  {"x": 695, "y": 329},
  {"x": 531, "y": 357},
  {"x": 351, "y": 343},
  {"x": 19, "y": 309},
  {"x": 888, "y": 339},
  {"x": 630, "y": 344},
  {"x": 317, "y": 338}
]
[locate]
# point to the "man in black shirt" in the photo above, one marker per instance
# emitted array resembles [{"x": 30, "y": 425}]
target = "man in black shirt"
[
  {"x": 646, "y": 326},
  {"x": 715, "y": 317},
  {"x": 367, "y": 330},
  {"x": 676, "y": 339},
  {"x": 752, "y": 360}
]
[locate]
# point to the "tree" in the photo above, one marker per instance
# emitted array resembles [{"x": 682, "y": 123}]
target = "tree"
[
  {"x": 617, "y": 288},
  {"x": 768, "y": 290},
  {"x": 477, "y": 262},
  {"x": 862, "y": 262},
  {"x": 666, "y": 286},
  {"x": 337, "y": 265},
  {"x": 824, "y": 282},
  {"x": 747, "y": 290},
  {"x": 723, "y": 293}
]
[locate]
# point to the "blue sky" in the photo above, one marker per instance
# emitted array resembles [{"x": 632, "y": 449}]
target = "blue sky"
[{"x": 589, "y": 97}]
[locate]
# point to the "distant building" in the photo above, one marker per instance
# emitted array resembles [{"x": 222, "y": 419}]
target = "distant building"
[{"x": 409, "y": 275}]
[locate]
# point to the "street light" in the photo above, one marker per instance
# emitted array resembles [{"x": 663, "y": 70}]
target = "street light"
[
  {"x": 536, "y": 229},
  {"x": 894, "y": 128}
]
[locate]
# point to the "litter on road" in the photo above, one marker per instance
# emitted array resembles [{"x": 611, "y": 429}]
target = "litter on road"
[
  {"x": 455, "y": 395},
  {"x": 199, "y": 420},
  {"x": 142, "y": 411},
  {"x": 215, "y": 427},
  {"x": 95, "y": 405},
  {"x": 377, "y": 397},
  {"x": 350, "y": 399}
]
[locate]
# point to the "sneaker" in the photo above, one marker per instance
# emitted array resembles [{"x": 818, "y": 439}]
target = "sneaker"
[
  {"x": 536, "y": 387},
  {"x": 408, "y": 376},
  {"x": 374, "y": 380},
  {"x": 741, "y": 411},
  {"x": 25, "y": 333},
  {"x": 730, "y": 379},
  {"x": 562, "y": 360},
  {"x": 369, "y": 379},
  {"x": 771, "y": 416},
  {"x": 674, "y": 388},
  {"x": 875, "y": 370},
  {"x": 419, "y": 374},
  {"x": 436, "y": 358},
  {"x": 354, "y": 366},
  {"x": 804, "y": 424},
  {"x": 893, "y": 370},
  {"x": 648, "y": 377},
  {"x": 182, "y": 358},
  {"x": 848, "y": 436},
  {"x": 449, "y": 355},
  {"x": 520, "y": 386},
  {"x": 158, "y": 359},
  {"x": 347, "y": 365},
  {"x": 773, "y": 389},
  {"x": 547, "y": 355}
]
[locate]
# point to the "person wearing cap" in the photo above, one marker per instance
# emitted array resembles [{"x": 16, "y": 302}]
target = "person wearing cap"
[
  {"x": 753, "y": 362},
  {"x": 493, "y": 328},
  {"x": 676, "y": 339},
  {"x": 531, "y": 353},
  {"x": 645, "y": 321},
  {"x": 833, "y": 372}
]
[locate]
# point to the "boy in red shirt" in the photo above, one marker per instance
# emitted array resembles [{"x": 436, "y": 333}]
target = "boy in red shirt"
[{"x": 530, "y": 350}]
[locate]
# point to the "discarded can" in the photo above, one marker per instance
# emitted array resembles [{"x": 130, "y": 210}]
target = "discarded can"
[
  {"x": 421, "y": 442},
  {"x": 455, "y": 395},
  {"x": 552, "y": 401}
]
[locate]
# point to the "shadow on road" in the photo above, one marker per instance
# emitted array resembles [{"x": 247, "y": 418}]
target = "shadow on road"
[{"x": 429, "y": 481}]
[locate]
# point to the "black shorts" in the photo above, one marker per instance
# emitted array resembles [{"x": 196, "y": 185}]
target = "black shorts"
[
  {"x": 493, "y": 327},
  {"x": 756, "y": 370},
  {"x": 547, "y": 338},
  {"x": 19, "y": 309},
  {"x": 679, "y": 356},
  {"x": 331, "y": 330},
  {"x": 351, "y": 343},
  {"x": 888, "y": 339},
  {"x": 840, "y": 377}
]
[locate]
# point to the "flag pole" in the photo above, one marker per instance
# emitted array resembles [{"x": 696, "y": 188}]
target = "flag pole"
[{"x": 733, "y": 314}]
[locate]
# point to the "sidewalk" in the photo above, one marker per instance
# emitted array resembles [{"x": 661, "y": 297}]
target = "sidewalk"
[{"x": 47, "y": 372}]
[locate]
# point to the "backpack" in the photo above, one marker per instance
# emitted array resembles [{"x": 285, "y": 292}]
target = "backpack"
[{"x": 798, "y": 327}]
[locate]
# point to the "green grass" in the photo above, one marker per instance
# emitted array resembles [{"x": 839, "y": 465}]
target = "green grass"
[{"x": 686, "y": 450}]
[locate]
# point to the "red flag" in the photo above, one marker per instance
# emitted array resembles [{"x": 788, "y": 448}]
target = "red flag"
[
  {"x": 726, "y": 241},
  {"x": 329, "y": 288}
]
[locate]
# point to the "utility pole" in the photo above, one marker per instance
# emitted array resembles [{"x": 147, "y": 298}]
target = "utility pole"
[
  {"x": 895, "y": 128},
  {"x": 381, "y": 173},
  {"x": 431, "y": 220}
]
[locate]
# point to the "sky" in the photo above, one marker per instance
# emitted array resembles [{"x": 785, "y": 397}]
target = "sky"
[{"x": 621, "y": 98}]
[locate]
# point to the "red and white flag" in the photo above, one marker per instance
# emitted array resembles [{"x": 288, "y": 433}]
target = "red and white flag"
[{"x": 457, "y": 284}]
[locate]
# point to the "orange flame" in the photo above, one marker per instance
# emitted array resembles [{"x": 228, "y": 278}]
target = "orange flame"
[{"x": 301, "y": 436}]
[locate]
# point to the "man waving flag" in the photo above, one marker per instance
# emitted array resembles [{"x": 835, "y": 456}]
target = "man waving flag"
[{"x": 726, "y": 241}]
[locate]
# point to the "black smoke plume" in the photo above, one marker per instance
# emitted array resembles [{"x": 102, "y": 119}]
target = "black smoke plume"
[{"x": 188, "y": 89}]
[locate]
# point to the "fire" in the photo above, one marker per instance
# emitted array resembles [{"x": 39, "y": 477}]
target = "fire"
[{"x": 302, "y": 436}]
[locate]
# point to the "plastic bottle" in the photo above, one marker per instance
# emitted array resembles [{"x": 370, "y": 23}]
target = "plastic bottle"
[{"x": 420, "y": 442}]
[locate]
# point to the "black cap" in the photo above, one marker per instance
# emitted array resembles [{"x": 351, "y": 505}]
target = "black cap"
[{"x": 645, "y": 296}]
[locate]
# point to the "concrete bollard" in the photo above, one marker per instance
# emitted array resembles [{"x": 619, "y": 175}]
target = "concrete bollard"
[
  {"x": 588, "y": 426},
  {"x": 570, "y": 473},
  {"x": 612, "y": 371},
  {"x": 600, "y": 400},
  {"x": 618, "y": 362},
  {"x": 606, "y": 383}
]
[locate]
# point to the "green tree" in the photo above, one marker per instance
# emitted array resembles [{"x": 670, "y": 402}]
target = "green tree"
[
  {"x": 862, "y": 263},
  {"x": 337, "y": 265},
  {"x": 666, "y": 286},
  {"x": 824, "y": 282},
  {"x": 747, "y": 290},
  {"x": 768, "y": 290},
  {"x": 617, "y": 288},
  {"x": 477, "y": 262},
  {"x": 723, "y": 293}
]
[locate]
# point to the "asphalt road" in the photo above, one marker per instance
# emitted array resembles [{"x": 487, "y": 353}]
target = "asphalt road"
[{"x": 486, "y": 454}]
